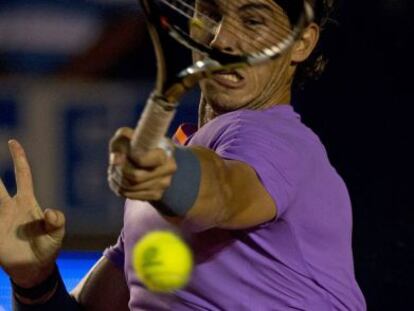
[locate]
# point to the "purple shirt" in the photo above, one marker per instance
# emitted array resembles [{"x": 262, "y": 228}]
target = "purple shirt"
[{"x": 302, "y": 260}]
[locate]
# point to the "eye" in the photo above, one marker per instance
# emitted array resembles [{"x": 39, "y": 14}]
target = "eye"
[{"x": 253, "y": 22}]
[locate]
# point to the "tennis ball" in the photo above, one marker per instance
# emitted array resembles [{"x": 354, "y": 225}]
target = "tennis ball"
[
  {"x": 162, "y": 261},
  {"x": 196, "y": 22}
]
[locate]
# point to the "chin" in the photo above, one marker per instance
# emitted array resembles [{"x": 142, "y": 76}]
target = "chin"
[{"x": 223, "y": 102}]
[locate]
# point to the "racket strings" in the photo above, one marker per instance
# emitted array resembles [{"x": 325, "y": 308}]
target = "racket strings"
[
  {"x": 198, "y": 18},
  {"x": 281, "y": 30},
  {"x": 189, "y": 11},
  {"x": 229, "y": 7}
]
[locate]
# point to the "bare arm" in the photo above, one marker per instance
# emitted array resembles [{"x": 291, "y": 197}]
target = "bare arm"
[
  {"x": 231, "y": 196},
  {"x": 103, "y": 288}
]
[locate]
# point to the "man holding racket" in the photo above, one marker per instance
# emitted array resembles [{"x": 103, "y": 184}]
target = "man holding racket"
[{"x": 251, "y": 190}]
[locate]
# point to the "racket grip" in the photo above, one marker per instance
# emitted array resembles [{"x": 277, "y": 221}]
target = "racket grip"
[{"x": 153, "y": 124}]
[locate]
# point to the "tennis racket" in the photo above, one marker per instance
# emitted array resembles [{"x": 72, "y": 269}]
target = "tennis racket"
[{"x": 266, "y": 29}]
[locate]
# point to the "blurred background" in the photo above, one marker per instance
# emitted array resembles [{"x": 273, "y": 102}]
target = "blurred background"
[{"x": 73, "y": 71}]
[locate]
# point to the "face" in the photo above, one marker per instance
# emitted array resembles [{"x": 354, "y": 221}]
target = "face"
[{"x": 239, "y": 27}]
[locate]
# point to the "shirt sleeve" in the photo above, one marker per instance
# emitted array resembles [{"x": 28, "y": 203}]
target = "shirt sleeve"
[
  {"x": 269, "y": 152},
  {"x": 116, "y": 253}
]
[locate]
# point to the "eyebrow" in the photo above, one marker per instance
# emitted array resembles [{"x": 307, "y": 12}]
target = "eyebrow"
[{"x": 256, "y": 6}]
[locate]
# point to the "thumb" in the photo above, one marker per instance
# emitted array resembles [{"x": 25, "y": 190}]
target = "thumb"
[
  {"x": 54, "y": 223},
  {"x": 120, "y": 142},
  {"x": 119, "y": 146}
]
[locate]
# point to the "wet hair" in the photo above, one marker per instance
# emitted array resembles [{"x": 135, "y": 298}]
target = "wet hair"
[{"x": 313, "y": 67}]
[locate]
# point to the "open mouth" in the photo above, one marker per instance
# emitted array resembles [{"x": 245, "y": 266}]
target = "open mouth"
[{"x": 231, "y": 79}]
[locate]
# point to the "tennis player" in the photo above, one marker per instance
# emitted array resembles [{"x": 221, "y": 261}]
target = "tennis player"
[{"x": 251, "y": 189}]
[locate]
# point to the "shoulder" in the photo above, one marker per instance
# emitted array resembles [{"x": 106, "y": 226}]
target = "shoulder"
[
  {"x": 274, "y": 142},
  {"x": 278, "y": 128}
]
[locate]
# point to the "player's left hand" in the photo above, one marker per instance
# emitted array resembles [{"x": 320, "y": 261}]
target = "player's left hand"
[{"x": 136, "y": 176}]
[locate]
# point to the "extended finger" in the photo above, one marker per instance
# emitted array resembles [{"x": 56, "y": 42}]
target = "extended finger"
[{"x": 22, "y": 169}]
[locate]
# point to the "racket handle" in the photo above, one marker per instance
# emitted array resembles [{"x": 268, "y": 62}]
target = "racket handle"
[{"x": 153, "y": 124}]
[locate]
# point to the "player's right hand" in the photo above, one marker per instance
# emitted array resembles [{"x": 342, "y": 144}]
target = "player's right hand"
[{"x": 30, "y": 238}]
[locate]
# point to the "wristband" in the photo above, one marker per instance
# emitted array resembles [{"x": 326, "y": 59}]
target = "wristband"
[
  {"x": 40, "y": 290},
  {"x": 181, "y": 195},
  {"x": 60, "y": 300}
]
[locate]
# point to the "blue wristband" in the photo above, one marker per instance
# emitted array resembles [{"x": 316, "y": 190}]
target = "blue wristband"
[{"x": 180, "y": 197}]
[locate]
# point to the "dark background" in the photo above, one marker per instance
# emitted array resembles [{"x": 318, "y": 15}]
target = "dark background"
[{"x": 360, "y": 108}]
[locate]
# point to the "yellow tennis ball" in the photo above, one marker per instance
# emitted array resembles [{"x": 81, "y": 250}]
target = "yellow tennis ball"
[
  {"x": 196, "y": 22},
  {"x": 162, "y": 261}
]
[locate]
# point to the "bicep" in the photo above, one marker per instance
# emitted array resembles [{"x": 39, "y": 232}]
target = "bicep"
[
  {"x": 103, "y": 288},
  {"x": 250, "y": 203},
  {"x": 231, "y": 195}
]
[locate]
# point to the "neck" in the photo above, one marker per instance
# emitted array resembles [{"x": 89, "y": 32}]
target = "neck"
[
  {"x": 206, "y": 113},
  {"x": 281, "y": 98}
]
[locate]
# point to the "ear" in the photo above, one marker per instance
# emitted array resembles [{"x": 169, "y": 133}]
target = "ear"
[{"x": 306, "y": 43}]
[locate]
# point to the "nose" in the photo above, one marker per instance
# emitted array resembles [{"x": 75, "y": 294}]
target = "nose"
[{"x": 225, "y": 38}]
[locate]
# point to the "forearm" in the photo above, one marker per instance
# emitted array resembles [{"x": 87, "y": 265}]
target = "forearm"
[
  {"x": 202, "y": 179},
  {"x": 94, "y": 292},
  {"x": 213, "y": 204},
  {"x": 229, "y": 194}
]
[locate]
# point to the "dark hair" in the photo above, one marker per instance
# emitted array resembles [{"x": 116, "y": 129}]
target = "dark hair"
[{"x": 313, "y": 67}]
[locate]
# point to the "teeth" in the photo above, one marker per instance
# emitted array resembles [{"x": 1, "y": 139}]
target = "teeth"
[{"x": 230, "y": 77}]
